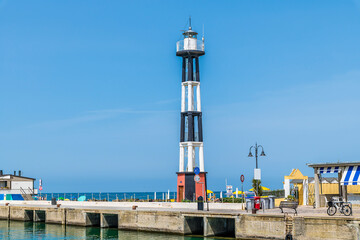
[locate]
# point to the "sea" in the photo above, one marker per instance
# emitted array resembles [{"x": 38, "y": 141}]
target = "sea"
[
  {"x": 10, "y": 230},
  {"x": 111, "y": 196}
]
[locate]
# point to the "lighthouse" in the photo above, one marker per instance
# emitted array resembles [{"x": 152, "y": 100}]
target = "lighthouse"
[{"x": 191, "y": 177}]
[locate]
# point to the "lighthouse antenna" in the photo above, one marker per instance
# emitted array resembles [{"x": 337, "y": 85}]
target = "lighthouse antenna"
[
  {"x": 203, "y": 33},
  {"x": 189, "y": 22}
]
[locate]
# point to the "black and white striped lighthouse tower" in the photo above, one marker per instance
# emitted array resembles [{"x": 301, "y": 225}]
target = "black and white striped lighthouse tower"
[{"x": 190, "y": 186}]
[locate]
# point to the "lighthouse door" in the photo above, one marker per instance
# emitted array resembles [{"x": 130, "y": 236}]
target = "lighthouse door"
[{"x": 181, "y": 193}]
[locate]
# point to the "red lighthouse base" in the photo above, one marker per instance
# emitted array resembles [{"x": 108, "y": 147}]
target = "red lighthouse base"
[{"x": 188, "y": 188}]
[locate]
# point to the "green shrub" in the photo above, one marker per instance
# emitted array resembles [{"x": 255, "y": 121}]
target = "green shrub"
[{"x": 232, "y": 200}]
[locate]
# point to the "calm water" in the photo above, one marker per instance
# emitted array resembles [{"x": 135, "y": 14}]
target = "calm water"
[{"x": 32, "y": 230}]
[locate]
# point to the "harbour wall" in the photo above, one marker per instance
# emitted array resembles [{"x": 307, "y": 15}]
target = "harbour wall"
[{"x": 188, "y": 222}]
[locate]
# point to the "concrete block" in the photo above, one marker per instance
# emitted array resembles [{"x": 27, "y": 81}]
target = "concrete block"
[
  {"x": 151, "y": 221},
  {"x": 4, "y": 212},
  {"x": 55, "y": 215},
  {"x": 260, "y": 226},
  {"x": 17, "y": 213},
  {"x": 75, "y": 217},
  {"x": 330, "y": 228}
]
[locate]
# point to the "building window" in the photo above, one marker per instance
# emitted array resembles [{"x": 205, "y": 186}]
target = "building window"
[{"x": 3, "y": 184}]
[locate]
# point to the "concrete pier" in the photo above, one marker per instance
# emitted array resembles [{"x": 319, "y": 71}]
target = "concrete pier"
[{"x": 217, "y": 223}]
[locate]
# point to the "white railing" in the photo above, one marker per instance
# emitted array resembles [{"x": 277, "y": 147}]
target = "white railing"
[{"x": 189, "y": 44}]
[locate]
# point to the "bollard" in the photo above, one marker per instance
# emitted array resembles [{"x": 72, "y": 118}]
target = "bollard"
[{"x": 200, "y": 204}]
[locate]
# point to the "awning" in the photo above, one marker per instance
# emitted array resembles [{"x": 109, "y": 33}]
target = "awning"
[
  {"x": 329, "y": 170},
  {"x": 351, "y": 176}
]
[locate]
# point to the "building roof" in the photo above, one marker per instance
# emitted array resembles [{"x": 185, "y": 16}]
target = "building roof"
[
  {"x": 295, "y": 174},
  {"x": 15, "y": 177},
  {"x": 336, "y": 164}
]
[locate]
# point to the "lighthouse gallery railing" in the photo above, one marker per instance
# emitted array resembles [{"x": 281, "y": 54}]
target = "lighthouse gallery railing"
[{"x": 187, "y": 45}]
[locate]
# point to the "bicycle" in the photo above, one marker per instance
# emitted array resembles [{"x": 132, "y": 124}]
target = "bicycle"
[{"x": 343, "y": 207}]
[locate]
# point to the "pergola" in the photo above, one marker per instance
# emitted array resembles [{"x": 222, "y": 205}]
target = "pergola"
[{"x": 348, "y": 174}]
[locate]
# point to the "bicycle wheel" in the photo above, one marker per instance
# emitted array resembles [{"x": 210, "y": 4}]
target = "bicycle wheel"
[
  {"x": 331, "y": 211},
  {"x": 346, "y": 210}
]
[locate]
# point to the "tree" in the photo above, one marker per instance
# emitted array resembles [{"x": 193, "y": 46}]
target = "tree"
[{"x": 256, "y": 184}]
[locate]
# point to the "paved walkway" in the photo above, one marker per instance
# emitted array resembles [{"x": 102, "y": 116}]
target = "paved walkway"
[{"x": 302, "y": 210}]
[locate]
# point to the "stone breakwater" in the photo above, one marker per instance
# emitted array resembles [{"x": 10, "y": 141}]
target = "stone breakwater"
[{"x": 175, "y": 218}]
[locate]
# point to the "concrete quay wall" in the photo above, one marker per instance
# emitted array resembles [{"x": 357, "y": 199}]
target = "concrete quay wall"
[
  {"x": 326, "y": 228},
  {"x": 218, "y": 224},
  {"x": 171, "y": 222},
  {"x": 258, "y": 226}
]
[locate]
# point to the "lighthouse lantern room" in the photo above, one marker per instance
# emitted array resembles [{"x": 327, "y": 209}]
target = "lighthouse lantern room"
[{"x": 190, "y": 186}]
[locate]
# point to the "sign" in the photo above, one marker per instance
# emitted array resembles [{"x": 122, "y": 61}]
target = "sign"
[
  {"x": 196, "y": 170},
  {"x": 197, "y": 178},
  {"x": 242, "y": 178},
  {"x": 40, "y": 188},
  {"x": 40, "y": 182},
  {"x": 257, "y": 174},
  {"x": 229, "y": 190}
]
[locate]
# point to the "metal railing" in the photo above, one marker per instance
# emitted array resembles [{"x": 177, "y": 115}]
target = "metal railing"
[
  {"x": 27, "y": 196},
  {"x": 22, "y": 191},
  {"x": 31, "y": 191},
  {"x": 26, "y": 191},
  {"x": 194, "y": 44}
]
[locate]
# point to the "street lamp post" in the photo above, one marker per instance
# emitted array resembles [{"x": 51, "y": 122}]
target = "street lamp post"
[{"x": 262, "y": 154}]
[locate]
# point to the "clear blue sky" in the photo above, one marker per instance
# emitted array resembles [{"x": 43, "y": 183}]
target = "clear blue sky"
[{"x": 90, "y": 90}]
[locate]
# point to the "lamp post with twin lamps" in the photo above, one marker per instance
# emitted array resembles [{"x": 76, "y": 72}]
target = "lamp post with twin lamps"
[{"x": 257, "y": 173}]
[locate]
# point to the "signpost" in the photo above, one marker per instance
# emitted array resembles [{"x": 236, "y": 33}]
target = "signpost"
[
  {"x": 242, "y": 179},
  {"x": 229, "y": 190},
  {"x": 40, "y": 187}
]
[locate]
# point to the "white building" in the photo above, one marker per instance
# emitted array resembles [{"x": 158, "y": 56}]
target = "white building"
[{"x": 15, "y": 185}]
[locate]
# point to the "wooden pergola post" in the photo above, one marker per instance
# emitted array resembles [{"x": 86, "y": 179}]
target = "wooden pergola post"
[{"x": 316, "y": 187}]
